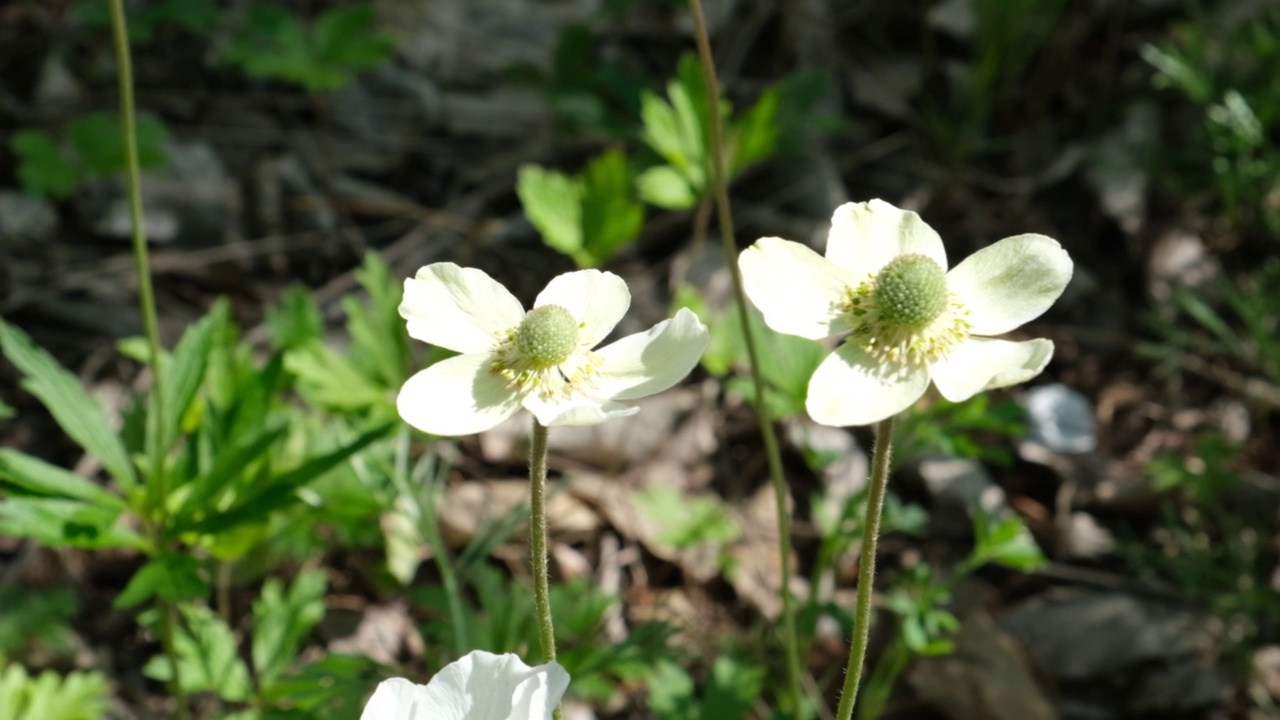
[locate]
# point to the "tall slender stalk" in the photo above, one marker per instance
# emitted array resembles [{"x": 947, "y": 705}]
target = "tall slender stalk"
[
  {"x": 538, "y": 542},
  {"x": 157, "y": 485},
  {"x": 867, "y": 568},
  {"x": 725, "y": 217},
  {"x": 538, "y": 538},
  {"x": 146, "y": 296}
]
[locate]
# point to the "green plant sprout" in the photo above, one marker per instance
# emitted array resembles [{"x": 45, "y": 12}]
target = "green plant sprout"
[
  {"x": 91, "y": 147},
  {"x": 678, "y": 129},
  {"x": 731, "y": 689},
  {"x": 274, "y": 44},
  {"x": 588, "y": 217},
  {"x": 1221, "y": 67}
]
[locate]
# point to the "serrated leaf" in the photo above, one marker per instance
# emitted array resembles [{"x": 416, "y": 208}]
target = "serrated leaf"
[
  {"x": 79, "y": 415},
  {"x": 553, "y": 203},
  {"x": 48, "y": 696},
  {"x": 295, "y": 320},
  {"x": 282, "y": 621},
  {"x": 327, "y": 379},
  {"x": 347, "y": 39},
  {"x": 99, "y": 143},
  {"x": 208, "y": 660},
  {"x": 43, "y": 169},
  {"x": 611, "y": 218}
]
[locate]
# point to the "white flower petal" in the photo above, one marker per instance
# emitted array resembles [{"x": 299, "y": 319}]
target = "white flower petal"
[
  {"x": 498, "y": 687},
  {"x": 596, "y": 299},
  {"x": 852, "y": 388},
  {"x": 1011, "y": 282},
  {"x": 400, "y": 699},
  {"x": 979, "y": 364},
  {"x": 798, "y": 291},
  {"x": 576, "y": 411},
  {"x": 866, "y": 236},
  {"x": 458, "y": 308},
  {"x": 457, "y": 396},
  {"x": 652, "y": 361},
  {"x": 479, "y": 686}
]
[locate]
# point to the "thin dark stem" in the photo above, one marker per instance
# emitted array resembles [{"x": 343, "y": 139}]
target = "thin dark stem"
[
  {"x": 725, "y": 217},
  {"x": 867, "y": 568}
]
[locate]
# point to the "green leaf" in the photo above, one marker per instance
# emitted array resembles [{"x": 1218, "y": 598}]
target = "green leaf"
[
  {"x": 43, "y": 169},
  {"x": 276, "y": 46},
  {"x": 295, "y": 320},
  {"x": 6, "y": 410},
  {"x": 99, "y": 143},
  {"x": 33, "y": 475},
  {"x": 347, "y": 39},
  {"x": 380, "y": 346},
  {"x": 755, "y": 134},
  {"x": 66, "y": 523},
  {"x": 78, "y": 414},
  {"x": 553, "y": 203},
  {"x": 281, "y": 490},
  {"x": 184, "y": 372},
  {"x": 174, "y": 577},
  {"x": 1005, "y": 542},
  {"x": 230, "y": 464},
  {"x": 611, "y": 218},
  {"x": 329, "y": 380},
  {"x": 282, "y": 621},
  {"x": 207, "y": 657},
  {"x": 687, "y": 521},
  {"x": 48, "y": 696},
  {"x": 663, "y": 187}
]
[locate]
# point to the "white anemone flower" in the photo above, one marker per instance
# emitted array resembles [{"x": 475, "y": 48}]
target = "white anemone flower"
[
  {"x": 541, "y": 360},
  {"x": 479, "y": 686},
  {"x": 909, "y": 320}
]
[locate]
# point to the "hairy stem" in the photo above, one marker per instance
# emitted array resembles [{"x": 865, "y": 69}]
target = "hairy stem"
[
  {"x": 725, "y": 217},
  {"x": 538, "y": 538},
  {"x": 867, "y": 568},
  {"x": 157, "y": 490}
]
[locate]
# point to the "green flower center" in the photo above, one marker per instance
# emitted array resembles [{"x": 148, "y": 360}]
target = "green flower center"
[
  {"x": 547, "y": 336},
  {"x": 910, "y": 292}
]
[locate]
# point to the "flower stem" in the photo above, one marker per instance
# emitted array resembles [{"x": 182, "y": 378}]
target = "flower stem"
[
  {"x": 146, "y": 296},
  {"x": 867, "y": 568},
  {"x": 157, "y": 485},
  {"x": 538, "y": 538},
  {"x": 725, "y": 217}
]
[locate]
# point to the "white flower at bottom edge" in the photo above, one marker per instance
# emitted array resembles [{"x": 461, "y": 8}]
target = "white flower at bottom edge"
[
  {"x": 541, "y": 360},
  {"x": 479, "y": 686},
  {"x": 884, "y": 281}
]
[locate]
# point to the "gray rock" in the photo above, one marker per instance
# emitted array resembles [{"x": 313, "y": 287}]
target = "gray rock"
[
  {"x": 1061, "y": 418},
  {"x": 958, "y": 486},
  {"x": 1092, "y": 635},
  {"x": 24, "y": 218},
  {"x": 193, "y": 200},
  {"x": 986, "y": 677}
]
